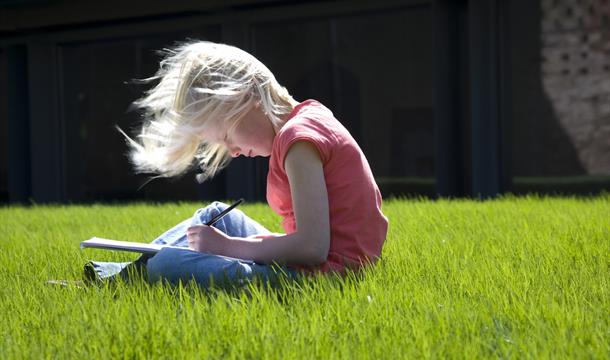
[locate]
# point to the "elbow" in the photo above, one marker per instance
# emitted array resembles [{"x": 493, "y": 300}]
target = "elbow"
[
  {"x": 317, "y": 258},
  {"x": 318, "y": 253}
]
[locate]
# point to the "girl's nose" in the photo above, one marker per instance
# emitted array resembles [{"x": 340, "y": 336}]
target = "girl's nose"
[{"x": 235, "y": 152}]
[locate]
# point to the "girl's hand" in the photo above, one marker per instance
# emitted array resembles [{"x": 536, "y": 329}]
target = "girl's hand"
[
  {"x": 265, "y": 236},
  {"x": 206, "y": 239}
]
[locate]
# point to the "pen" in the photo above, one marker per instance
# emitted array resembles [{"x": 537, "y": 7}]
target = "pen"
[{"x": 223, "y": 213}]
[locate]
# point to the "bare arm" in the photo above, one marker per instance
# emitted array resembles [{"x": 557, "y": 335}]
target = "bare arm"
[{"x": 310, "y": 243}]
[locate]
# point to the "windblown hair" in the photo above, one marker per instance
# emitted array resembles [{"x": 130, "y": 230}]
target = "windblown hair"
[{"x": 200, "y": 81}]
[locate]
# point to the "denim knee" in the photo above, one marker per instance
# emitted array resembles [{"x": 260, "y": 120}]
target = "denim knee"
[
  {"x": 220, "y": 206},
  {"x": 206, "y": 214}
]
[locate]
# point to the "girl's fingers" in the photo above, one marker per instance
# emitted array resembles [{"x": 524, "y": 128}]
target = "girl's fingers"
[{"x": 193, "y": 229}]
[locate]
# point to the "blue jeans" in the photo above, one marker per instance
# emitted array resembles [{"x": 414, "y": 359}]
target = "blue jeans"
[{"x": 183, "y": 265}]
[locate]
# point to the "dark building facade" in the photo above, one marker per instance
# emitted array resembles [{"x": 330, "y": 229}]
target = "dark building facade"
[{"x": 449, "y": 98}]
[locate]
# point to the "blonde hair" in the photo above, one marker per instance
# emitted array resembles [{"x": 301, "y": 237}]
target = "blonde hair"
[{"x": 200, "y": 81}]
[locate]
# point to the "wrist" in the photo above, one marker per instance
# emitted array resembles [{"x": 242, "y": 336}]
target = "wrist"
[
  {"x": 225, "y": 247},
  {"x": 241, "y": 248}
]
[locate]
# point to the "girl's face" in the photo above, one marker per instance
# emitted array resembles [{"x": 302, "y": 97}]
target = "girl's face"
[{"x": 251, "y": 136}]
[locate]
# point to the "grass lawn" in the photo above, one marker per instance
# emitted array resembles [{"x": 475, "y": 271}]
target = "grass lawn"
[{"x": 511, "y": 278}]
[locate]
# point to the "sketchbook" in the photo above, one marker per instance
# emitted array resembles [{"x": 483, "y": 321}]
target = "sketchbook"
[{"x": 100, "y": 243}]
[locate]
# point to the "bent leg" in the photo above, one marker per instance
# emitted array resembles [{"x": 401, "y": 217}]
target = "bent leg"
[
  {"x": 235, "y": 223},
  {"x": 183, "y": 265}
]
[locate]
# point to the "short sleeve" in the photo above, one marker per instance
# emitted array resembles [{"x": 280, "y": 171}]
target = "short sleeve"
[{"x": 308, "y": 129}]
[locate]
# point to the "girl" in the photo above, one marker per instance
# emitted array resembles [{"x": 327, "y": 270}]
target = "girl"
[{"x": 215, "y": 102}]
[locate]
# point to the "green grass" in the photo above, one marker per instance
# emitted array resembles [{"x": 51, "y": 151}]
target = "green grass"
[{"x": 509, "y": 278}]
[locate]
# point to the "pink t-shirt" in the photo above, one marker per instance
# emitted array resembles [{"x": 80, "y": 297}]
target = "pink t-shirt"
[{"x": 357, "y": 225}]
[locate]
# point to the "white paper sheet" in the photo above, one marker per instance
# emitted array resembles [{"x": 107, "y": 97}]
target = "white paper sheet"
[{"x": 100, "y": 243}]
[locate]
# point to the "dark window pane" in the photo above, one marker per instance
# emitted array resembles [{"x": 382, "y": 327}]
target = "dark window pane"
[
  {"x": 374, "y": 71},
  {"x": 3, "y": 133},
  {"x": 95, "y": 98}
]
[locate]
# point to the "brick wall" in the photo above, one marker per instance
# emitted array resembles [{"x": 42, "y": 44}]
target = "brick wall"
[{"x": 575, "y": 39}]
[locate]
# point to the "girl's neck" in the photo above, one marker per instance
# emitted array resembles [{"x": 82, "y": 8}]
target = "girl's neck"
[{"x": 285, "y": 117}]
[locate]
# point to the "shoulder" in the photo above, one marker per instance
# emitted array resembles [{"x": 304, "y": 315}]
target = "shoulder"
[
  {"x": 310, "y": 118},
  {"x": 311, "y": 122}
]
